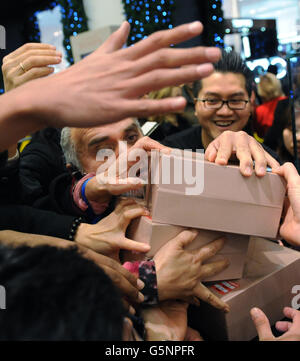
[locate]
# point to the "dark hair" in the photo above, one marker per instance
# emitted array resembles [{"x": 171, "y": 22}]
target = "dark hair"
[
  {"x": 230, "y": 62},
  {"x": 56, "y": 294}
]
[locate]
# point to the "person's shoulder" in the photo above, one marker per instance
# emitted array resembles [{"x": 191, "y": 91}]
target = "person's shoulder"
[
  {"x": 272, "y": 153},
  {"x": 188, "y": 138}
]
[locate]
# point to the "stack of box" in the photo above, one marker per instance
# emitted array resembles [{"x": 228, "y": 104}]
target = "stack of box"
[
  {"x": 271, "y": 282},
  {"x": 219, "y": 201}
]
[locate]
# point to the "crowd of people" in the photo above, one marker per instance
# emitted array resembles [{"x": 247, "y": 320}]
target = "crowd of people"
[{"x": 63, "y": 226}]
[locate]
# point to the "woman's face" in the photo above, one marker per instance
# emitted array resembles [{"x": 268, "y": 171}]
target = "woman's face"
[{"x": 288, "y": 137}]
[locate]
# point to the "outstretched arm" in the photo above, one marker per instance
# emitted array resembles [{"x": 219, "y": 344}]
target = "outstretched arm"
[{"x": 85, "y": 94}]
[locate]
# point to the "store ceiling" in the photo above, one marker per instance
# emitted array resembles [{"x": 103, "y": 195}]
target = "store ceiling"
[{"x": 263, "y": 8}]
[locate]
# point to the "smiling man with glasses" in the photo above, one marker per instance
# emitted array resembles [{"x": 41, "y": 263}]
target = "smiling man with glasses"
[{"x": 222, "y": 102}]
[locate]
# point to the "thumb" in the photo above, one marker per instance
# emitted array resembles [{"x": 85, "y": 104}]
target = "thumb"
[
  {"x": 261, "y": 324},
  {"x": 134, "y": 246}
]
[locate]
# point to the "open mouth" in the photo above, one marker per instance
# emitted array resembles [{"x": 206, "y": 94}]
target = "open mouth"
[{"x": 224, "y": 124}]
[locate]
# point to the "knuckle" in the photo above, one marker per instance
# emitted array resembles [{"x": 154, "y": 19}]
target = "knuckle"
[
  {"x": 161, "y": 57},
  {"x": 226, "y": 134},
  {"x": 29, "y": 46},
  {"x": 242, "y": 133},
  {"x": 156, "y": 76},
  {"x": 142, "y": 108},
  {"x": 14, "y": 82},
  {"x": 208, "y": 297},
  {"x": 5, "y": 59},
  {"x": 32, "y": 60},
  {"x": 243, "y": 148},
  {"x": 126, "y": 215},
  {"x": 156, "y": 38},
  {"x": 35, "y": 72},
  {"x": 4, "y": 68}
]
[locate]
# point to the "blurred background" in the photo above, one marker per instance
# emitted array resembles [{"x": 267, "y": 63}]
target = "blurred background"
[{"x": 263, "y": 31}]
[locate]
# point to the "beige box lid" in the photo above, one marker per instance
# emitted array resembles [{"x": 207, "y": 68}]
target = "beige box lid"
[{"x": 229, "y": 202}]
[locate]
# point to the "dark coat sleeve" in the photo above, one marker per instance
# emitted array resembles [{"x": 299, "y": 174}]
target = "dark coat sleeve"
[
  {"x": 40, "y": 163},
  {"x": 9, "y": 180},
  {"x": 30, "y": 220}
]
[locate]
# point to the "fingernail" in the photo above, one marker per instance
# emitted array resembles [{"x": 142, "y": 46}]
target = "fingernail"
[
  {"x": 132, "y": 310},
  {"x": 262, "y": 170},
  {"x": 58, "y": 59},
  {"x": 204, "y": 69},
  {"x": 141, "y": 297},
  {"x": 194, "y": 231},
  {"x": 58, "y": 53},
  {"x": 147, "y": 247},
  {"x": 222, "y": 160},
  {"x": 255, "y": 312},
  {"x": 140, "y": 284},
  {"x": 195, "y": 27},
  {"x": 212, "y": 53},
  {"x": 178, "y": 102},
  {"x": 166, "y": 151},
  {"x": 248, "y": 171}
]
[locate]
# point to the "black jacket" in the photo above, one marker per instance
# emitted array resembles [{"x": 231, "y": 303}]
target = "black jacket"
[
  {"x": 191, "y": 139},
  {"x": 18, "y": 217}
]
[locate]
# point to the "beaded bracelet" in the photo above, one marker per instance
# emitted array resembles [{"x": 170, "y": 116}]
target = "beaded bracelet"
[{"x": 75, "y": 224}]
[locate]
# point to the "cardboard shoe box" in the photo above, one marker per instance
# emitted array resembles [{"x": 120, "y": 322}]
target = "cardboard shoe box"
[
  {"x": 157, "y": 234},
  {"x": 271, "y": 273},
  {"x": 223, "y": 200}
]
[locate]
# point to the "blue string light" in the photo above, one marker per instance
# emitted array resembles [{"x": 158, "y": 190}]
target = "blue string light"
[
  {"x": 216, "y": 17},
  {"x": 73, "y": 23},
  {"x": 146, "y": 15}
]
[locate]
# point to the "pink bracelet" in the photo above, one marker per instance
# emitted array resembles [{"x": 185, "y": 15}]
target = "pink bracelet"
[
  {"x": 97, "y": 208},
  {"x": 132, "y": 267}
]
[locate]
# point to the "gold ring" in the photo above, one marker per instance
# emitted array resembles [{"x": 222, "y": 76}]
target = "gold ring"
[{"x": 22, "y": 67}]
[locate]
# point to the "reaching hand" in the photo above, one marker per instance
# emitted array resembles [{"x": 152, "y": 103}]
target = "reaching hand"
[
  {"x": 108, "y": 236},
  {"x": 168, "y": 321},
  {"x": 291, "y": 329},
  {"x": 87, "y": 92},
  {"x": 30, "y": 61},
  {"x": 125, "y": 281},
  {"x": 179, "y": 272},
  {"x": 290, "y": 228},
  {"x": 243, "y": 147},
  {"x": 117, "y": 179}
]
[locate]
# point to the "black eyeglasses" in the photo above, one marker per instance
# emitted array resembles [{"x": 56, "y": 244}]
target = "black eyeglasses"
[{"x": 233, "y": 104}]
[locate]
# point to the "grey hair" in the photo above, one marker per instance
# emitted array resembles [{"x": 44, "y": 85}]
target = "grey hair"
[{"x": 68, "y": 148}]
